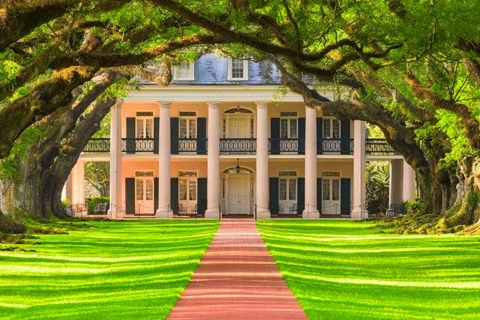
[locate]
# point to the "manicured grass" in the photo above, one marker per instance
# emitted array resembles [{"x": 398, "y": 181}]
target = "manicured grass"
[
  {"x": 115, "y": 270},
  {"x": 342, "y": 270}
]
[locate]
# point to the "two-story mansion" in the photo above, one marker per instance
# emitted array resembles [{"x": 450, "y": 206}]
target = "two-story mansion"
[{"x": 216, "y": 141}]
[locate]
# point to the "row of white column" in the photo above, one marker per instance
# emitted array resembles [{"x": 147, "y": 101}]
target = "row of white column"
[{"x": 213, "y": 164}]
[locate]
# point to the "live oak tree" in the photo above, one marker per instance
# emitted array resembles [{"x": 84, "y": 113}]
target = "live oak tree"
[
  {"x": 412, "y": 65},
  {"x": 47, "y": 64}
]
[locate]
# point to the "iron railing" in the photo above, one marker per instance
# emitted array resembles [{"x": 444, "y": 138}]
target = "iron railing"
[
  {"x": 238, "y": 145},
  {"x": 187, "y": 145},
  {"x": 132, "y": 145},
  {"x": 378, "y": 147},
  {"x": 283, "y": 145},
  {"x": 98, "y": 145},
  {"x": 331, "y": 145}
]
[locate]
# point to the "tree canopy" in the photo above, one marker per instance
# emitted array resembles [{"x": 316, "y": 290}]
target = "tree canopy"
[{"x": 412, "y": 68}]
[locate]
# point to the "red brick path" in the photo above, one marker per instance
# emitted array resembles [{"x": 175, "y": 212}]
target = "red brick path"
[{"x": 237, "y": 279}]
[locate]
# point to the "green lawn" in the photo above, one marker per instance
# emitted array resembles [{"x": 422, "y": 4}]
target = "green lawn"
[
  {"x": 341, "y": 270},
  {"x": 116, "y": 270}
]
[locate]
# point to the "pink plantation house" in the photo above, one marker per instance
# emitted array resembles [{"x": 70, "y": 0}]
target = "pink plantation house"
[{"x": 216, "y": 141}]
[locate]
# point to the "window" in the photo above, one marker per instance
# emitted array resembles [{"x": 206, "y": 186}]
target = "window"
[
  {"x": 144, "y": 186},
  {"x": 331, "y": 185},
  {"x": 187, "y": 185},
  {"x": 331, "y": 128},
  {"x": 188, "y": 127},
  {"x": 326, "y": 189},
  {"x": 144, "y": 127},
  {"x": 184, "y": 71},
  {"x": 237, "y": 69},
  {"x": 288, "y": 185},
  {"x": 288, "y": 128}
]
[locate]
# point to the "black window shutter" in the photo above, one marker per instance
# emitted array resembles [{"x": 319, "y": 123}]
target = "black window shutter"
[
  {"x": 130, "y": 195},
  {"x": 301, "y": 195},
  {"x": 202, "y": 196},
  {"x": 156, "y": 131},
  {"x": 173, "y": 195},
  {"x": 202, "y": 136},
  {"x": 130, "y": 135},
  {"x": 319, "y": 135},
  {"x": 345, "y": 142},
  {"x": 155, "y": 194},
  {"x": 273, "y": 190},
  {"x": 301, "y": 135},
  {"x": 319, "y": 195},
  {"x": 275, "y": 134},
  {"x": 345, "y": 196},
  {"x": 174, "y": 135}
]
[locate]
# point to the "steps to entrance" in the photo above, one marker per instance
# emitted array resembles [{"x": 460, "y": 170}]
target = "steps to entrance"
[{"x": 237, "y": 279}]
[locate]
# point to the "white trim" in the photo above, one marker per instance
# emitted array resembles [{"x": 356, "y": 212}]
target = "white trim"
[
  {"x": 227, "y": 93},
  {"x": 245, "y": 70},
  {"x": 191, "y": 75}
]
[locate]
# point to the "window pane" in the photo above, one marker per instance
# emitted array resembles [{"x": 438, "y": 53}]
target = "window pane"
[
  {"x": 139, "y": 189},
  {"x": 292, "y": 189},
  {"x": 335, "y": 189},
  {"x": 192, "y": 190},
  {"x": 148, "y": 128},
  {"x": 326, "y": 129},
  {"x": 293, "y": 128},
  {"x": 336, "y": 129},
  {"x": 149, "y": 189},
  {"x": 326, "y": 189},
  {"x": 237, "y": 68},
  {"x": 283, "y": 128},
  {"x": 192, "y": 129},
  {"x": 283, "y": 189},
  {"x": 182, "y": 188},
  {"x": 183, "y": 128},
  {"x": 184, "y": 70},
  {"x": 140, "y": 128}
]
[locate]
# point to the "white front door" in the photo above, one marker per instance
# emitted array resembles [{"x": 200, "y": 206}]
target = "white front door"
[
  {"x": 238, "y": 194},
  {"x": 331, "y": 196},
  {"x": 288, "y": 195},
  {"x": 144, "y": 194}
]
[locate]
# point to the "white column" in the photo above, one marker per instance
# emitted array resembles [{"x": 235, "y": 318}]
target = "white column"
[
  {"x": 67, "y": 189},
  {"x": 213, "y": 162},
  {"x": 164, "y": 210},
  {"x": 311, "y": 211},
  {"x": 408, "y": 182},
  {"x": 116, "y": 207},
  {"x": 395, "y": 188},
  {"x": 78, "y": 183},
  {"x": 262, "y": 162},
  {"x": 359, "y": 211}
]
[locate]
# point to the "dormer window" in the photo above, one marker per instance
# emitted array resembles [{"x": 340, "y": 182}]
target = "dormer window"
[
  {"x": 184, "y": 71},
  {"x": 237, "y": 69}
]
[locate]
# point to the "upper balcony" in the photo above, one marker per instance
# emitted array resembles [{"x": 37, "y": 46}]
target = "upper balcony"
[{"x": 240, "y": 146}]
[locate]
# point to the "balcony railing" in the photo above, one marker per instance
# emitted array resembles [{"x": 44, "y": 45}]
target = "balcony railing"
[
  {"x": 378, "y": 147},
  {"x": 331, "y": 145},
  {"x": 238, "y": 145},
  {"x": 98, "y": 145},
  {"x": 132, "y": 145},
  {"x": 283, "y": 145},
  {"x": 187, "y": 145},
  {"x": 235, "y": 146}
]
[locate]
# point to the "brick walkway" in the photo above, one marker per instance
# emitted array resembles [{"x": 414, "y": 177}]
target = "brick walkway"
[{"x": 237, "y": 279}]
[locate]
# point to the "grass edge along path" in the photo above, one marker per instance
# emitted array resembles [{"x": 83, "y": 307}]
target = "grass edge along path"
[
  {"x": 344, "y": 270},
  {"x": 111, "y": 270}
]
